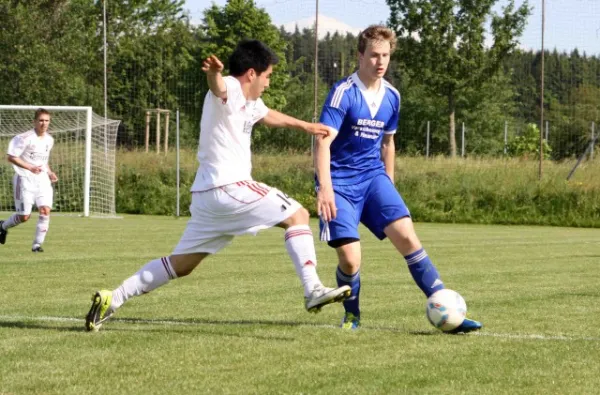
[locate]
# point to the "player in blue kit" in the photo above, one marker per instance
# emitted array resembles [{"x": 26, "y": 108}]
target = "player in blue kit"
[{"x": 355, "y": 172}]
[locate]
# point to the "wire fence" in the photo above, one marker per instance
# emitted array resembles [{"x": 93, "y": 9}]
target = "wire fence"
[{"x": 153, "y": 60}]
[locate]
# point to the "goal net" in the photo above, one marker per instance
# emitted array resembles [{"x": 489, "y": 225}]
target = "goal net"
[{"x": 83, "y": 157}]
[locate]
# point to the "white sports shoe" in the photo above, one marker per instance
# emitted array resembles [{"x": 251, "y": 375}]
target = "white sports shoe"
[{"x": 321, "y": 296}]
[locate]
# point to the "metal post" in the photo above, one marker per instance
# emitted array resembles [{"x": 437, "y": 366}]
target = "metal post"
[
  {"x": 505, "y": 137},
  {"x": 316, "y": 60},
  {"x": 105, "y": 79},
  {"x": 87, "y": 180},
  {"x": 583, "y": 155},
  {"x": 427, "y": 149},
  {"x": 462, "y": 152},
  {"x": 177, "y": 150},
  {"x": 147, "y": 130},
  {"x": 542, "y": 94},
  {"x": 593, "y": 138},
  {"x": 316, "y": 76},
  {"x": 547, "y": 130}
]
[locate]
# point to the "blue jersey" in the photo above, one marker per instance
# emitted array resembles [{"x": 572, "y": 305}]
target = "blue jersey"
[{"x": 361, "y": 119}]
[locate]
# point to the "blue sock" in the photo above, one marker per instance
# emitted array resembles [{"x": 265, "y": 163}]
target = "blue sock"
[
  {"x": 353, "y": 280},
  {"x": 424, "y": 272}
]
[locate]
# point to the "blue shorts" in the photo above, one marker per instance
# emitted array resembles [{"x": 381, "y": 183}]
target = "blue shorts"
[{"x": 374, "y": 202}]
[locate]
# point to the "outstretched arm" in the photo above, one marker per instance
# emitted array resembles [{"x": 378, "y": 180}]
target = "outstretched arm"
[
  {"x": 276, "y": 119},
  {"x": 213, "y": 68}
]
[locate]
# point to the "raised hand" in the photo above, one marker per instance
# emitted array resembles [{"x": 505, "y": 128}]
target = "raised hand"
[{"x": 212, "y": 65}]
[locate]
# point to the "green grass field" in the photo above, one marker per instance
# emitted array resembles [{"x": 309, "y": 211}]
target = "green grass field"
[{"x": 237, "y": 324}]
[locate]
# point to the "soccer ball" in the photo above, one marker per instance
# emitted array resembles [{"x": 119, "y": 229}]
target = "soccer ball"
[{"x": 446, "y": 309}]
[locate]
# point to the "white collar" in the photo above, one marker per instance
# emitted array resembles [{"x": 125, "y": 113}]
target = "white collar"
[{"x": 373, "y": 99}]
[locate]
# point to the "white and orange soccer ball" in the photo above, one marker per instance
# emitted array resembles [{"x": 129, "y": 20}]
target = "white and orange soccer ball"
[{"x": 446, "y": 309}]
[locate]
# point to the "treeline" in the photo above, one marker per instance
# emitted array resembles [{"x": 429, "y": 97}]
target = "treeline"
[{"x": 52, "y": 52}]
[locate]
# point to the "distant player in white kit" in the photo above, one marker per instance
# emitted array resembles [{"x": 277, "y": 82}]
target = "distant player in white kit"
[
  {"x": 32, "y": 184},
  {"x": 226, "y": 201}
]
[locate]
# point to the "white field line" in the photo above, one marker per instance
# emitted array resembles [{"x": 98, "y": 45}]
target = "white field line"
[{"x": 484, "y": 333}]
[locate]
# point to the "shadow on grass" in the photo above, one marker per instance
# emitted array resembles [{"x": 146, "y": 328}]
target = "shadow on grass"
[
  {"x": 179, "y": 324},
  {"x": 40, "y": 325},
  {"x": 274, "y": 323}
]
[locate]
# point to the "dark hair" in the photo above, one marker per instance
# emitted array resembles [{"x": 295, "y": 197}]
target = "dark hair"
[
  {"x": 251, "y": 54},
  {"x": 39, "y": 112}
]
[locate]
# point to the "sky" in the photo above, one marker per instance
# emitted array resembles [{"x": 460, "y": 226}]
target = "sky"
[{"x": 569, "y": 23}]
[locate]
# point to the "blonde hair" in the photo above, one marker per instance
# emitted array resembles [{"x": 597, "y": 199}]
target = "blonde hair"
[{"x": 376, "y": 33}]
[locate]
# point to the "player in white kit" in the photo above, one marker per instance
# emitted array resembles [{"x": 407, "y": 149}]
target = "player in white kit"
[
  {"x": 32, "y": 184},
  {"x": 226, "y": 201}
]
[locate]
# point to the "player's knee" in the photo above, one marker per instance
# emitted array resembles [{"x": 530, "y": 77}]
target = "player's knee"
[
  {"x": 349, "y": 264},
  {"x": 45, "y": 211},
  {"x": 349, "y": 257},
  {"x": 300, "y": 217},
  {"x": 24, "y": 218},
  {"x": 403, "y": 236}
]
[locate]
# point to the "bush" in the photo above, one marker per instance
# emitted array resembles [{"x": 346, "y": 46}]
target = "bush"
[
  {"x": 527, "y": 145},
  {"x": 491, "y": 191}
]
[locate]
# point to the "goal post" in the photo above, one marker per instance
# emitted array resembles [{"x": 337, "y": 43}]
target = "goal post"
[{"x": 83, "y": 157}]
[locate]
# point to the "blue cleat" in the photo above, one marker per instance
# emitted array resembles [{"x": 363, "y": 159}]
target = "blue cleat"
[
  {"x": 350, "y": 322},
  {"x": 466, "y": 327}
]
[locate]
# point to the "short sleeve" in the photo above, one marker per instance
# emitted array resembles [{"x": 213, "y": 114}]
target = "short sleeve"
[
  {"x": 392, "y": 124},
  {"x": 260, "y": 111},
  {"x": 235, "y": 97},
  {"x": 335, "y": 107},
  {"x": 16, "y": 147}
]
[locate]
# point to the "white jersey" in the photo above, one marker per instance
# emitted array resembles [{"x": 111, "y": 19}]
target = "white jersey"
[
  {"x": 225, "y": 130},
  {"x": 31, "y": 149}
]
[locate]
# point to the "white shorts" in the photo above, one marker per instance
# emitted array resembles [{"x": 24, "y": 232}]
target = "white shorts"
[
  {"x": 32, "y": 190},
  {"x": 220, "y": 214}
]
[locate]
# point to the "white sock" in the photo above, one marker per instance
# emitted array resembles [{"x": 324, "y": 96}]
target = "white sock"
[
  {"x": 41, "y": 230},
  {"x": 301, "y": 248},
  {"x": 13, "y": 221},
  {"x": 151, "y": 276}
]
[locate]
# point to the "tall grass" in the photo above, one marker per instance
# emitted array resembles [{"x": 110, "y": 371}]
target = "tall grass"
[{"x": 440, "y": 189}]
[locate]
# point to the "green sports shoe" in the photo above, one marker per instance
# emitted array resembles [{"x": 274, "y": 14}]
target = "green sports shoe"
[
  {"x": 100, "y": 310},
  {"x": 350, "y": 322}
]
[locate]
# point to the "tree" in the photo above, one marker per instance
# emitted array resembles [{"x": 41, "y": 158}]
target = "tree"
[
  {"x": 225, "y": 26},
  {"x": 150, "y": 47},
  {"x": 442, "y": 43},
  {"x": 45, "y": 51}
]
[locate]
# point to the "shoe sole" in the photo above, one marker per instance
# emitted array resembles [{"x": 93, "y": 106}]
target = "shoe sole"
[
  {"x": 94, "y": 311},
  {"x": 336, "y": 299}
]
